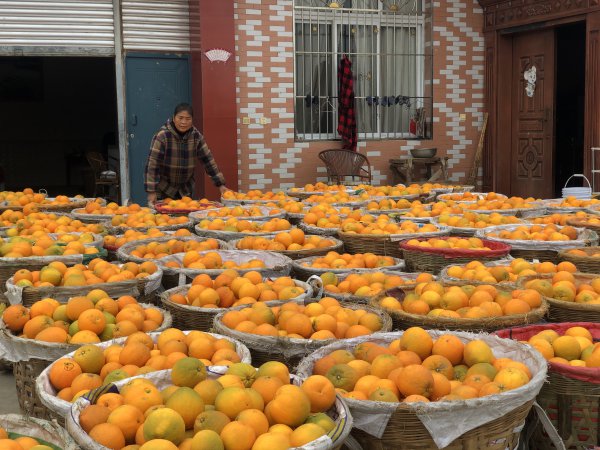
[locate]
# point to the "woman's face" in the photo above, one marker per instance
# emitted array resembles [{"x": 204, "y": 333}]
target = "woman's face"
[{"x": 183, "y": 121}]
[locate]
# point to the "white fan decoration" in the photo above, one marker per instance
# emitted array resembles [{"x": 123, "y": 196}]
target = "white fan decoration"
[{"x": 217, "y": 54}]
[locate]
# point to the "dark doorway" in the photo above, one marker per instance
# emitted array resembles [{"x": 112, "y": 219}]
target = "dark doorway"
[
  {"x": 53, "y": 111},
  {"x": 570, "y": 103}
]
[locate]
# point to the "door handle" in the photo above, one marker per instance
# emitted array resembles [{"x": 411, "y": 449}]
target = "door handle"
[{"x": 134, "y": 119}]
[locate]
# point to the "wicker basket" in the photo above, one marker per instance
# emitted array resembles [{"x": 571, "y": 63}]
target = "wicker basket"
[
  {"x": 445, "y": 278},
  {"x": 518, "y": 212},
  {"x": 586, "y": 264},
  {"x": 161, "y": 209},
  {"x": 60, "y": 408},
  {"x": 303, "y": 253},
  {"x": 143, "y": 289},
  {"x": 124, "y": 252},
  {"x": 564, "y": 311},
  {"x": 45, "y": 432},
  {"x": 231, "y": 235},
  {"x": 288, "y": 350},
  {"x": 114, "y": 230},
  {"x": 197, "y": 216},
  {"x": 303, "y": 272},
  {"x": 66, "y": 208},
  {"x": 186, "y": 317},
  {"x": 277, "y": 265},
  {"x": 493, "y": 422},
  {"x": 582, "y": 223},
  {"x": 162, "y": 379},
  {"x": 403, "y": 320},
  {"x": 478, "y": 196},
  {"x": 382, "y": 244},
  {"x": 433, "y": 260},
  {"x": 570, "y": 396},
  {"x": 31, "y": 357}
]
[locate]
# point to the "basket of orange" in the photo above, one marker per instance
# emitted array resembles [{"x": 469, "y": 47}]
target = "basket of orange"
[
  {"x": 590, "y": 221},
  {"x": 461, "y": 306},
  {"x": 261, "y": 213},
  {"x": 58, "y": 281},
  {"x": 184, "y": 206},
  {"x": 194, "y": 306},
  {"x": 432, "y": 254},
  {"x": 94, "y": 212},
  {"x": 293, "y": 330},
  {"x": 33, "y": 337},
  {"x": 254, "y": 197},
  {"x": 569, "y": 396},
  {"x": 61, "y": 203},
  {"x": 144, "y": 221},
  {"x": 93, "y": 365},
  {"x": 236, "y": 228},
  {"x": 280, "y": 412},
  {"x": 294, "y": 244},
  {"x": 112, "y": 243},
  {"x": 468, "y": 223},
  {"x": 587, "y": 259},
  {"x": 542, "y": 242},
  {"x": 412, "y": 389},
  {"x": 20, "y": 432},
  {"x": 338, "y": 263},
  {"x": 573, "y": 297}
]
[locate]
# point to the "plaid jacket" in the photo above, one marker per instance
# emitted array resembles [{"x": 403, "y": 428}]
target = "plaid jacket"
[
  {"x": 346, "y": 112},
  {"x": 172, "y": 158}
]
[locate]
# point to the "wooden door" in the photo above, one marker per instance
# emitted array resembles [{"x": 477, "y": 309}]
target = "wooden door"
[{"x": 532, "y": 115}]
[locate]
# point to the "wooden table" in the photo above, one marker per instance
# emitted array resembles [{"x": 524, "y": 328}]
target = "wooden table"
[{"x": 403, "y": 169}]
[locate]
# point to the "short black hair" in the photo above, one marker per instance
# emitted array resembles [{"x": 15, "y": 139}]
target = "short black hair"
[{"x": 184, "y": 107}]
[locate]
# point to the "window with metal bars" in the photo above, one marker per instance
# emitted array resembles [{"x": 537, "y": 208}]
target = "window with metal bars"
[{"x": 388, "y": 44}]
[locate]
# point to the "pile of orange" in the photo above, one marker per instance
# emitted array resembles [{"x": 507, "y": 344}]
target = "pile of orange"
[
  {"x": 9, "y": 217},
  {"x": 51, "y": 223},
  {"x": 476, "y": 270},
  {"x": 20, "y": 442},
  {"x": 337, "y": 197},
  {"x": 256, "y": 195},
  {"x": 434, "y": 210},
  {"x": 574, "y": 202},
  {"x": 549, "y": 232},
  {"x": 564, "y": 286},
  {"x": 233, "y": 224},
  {"x": 93, "y": 318},
  {"x": 557, "y": 218},
  {"x": 417, "y": 368},
  {"x": 387, "y": 203},
  {"x": 156, "y": 249},
  {"x": 90, "y": 366},
  {"x": 326, "y": 319},
  {"x": 21, "y": 198},
  {"x": 335, "y": 260},
  {"x": 326, "y": 216},
  {"x": 575, "y": 347},
  {"x": 470, "y": 196},
  {"x": 579, "y": 252},
  {"x": 469, "y": 302},
  {"x": 320, "y": 187},
  {"x": 476, "y": 220},
  {"x": 143, "y": 219},
  {"x": 292, "y": 240},
  {"x": 243, "y": 409},
  {"x": 471, "y": 243},
  {"x": 293, "y": 207},
  {"x": 509, "y": 203},
  {"x": 113, "y": 208},
  {"x": 186, "y": 203},
  {"x": 383, "y": 224},
  {"x": 212, "y": 260},
  {"x": 97, "y": 271},
  {"x": 240, "y": 211},
  {"x": 393, "y": 191},
  {"x": 367, "y": 284},
  {"x": 230, "y": 289},
  {"x": 66, "y": 244},
  {"x": 134, "y": 235}
]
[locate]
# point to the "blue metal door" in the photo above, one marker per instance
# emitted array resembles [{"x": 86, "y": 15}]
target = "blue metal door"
[{"x": 155, "y": 85}]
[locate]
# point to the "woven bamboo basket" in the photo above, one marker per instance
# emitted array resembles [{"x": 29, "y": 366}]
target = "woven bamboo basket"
[
  {"x": 582, "y": 223},
  {"x": 494, "y": 422},
  {"x": 383, "y": 244},
  {"x": 304, "y": 272},
  {"x": 570, "y": 396},
  {"x": 143, "y": 289},
  {"x": 585, "y": 264},
  {"x": 31, "y": 357},
  {"x": 162, "y": 379},
  {"x": 83, "y": 216},
  {"x": 114, "y": 230},
  {"x": 197, "y": 216},
  {"x": 288, "y": 350},
  {"x": 303, "y": 253},
  {"x": 540, "y": 250},
  {"x": 124, "y": 252},
  {"x": 310, "y": 229},
  {"x": 43, "y": 431},
  {"x": 60, "y": 408},
  {"x": 186, "y": 317},
  {"x": 66, "y": 208},
  {"x": 478, "y": 196},
  {"x": 161, "y": 209},
  {"x": 433, "y": 260},
  {"x": 277, "y": 265},
  {"x": 445, "y": 278},
  {"x": 565, "y": 311},
  {"x": 231, "y": 235},
  {"x": 463, "y": 231},
  {"x": 403, "y": 320}
]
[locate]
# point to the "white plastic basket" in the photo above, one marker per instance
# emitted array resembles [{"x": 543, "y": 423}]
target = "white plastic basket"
[{"x": 583, "y": 193}]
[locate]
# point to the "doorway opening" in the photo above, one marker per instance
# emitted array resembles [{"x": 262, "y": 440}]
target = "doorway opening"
[
  {"x": 570, "y": 105},
  {"x": 54, "y": 110}
]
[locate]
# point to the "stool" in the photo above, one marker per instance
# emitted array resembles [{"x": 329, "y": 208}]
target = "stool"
[{"x": 403, "y": 169}]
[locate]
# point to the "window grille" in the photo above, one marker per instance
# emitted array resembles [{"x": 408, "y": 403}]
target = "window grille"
[{"x": 388, "y": 42}]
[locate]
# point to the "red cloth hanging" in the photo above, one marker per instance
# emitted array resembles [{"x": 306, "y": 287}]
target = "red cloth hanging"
[{"x": 346, "y": 109}]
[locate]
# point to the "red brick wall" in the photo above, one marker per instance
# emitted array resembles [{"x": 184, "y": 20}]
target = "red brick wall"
[{"x": 268, "y": 157}]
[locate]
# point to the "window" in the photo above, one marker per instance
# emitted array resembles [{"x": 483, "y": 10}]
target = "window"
[{"x": 386, "y": 40}]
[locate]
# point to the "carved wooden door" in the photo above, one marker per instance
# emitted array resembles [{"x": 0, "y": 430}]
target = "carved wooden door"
[{"x": 532, "y": 115}]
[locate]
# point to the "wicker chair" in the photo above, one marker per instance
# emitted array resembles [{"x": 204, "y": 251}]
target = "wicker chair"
[
  {"x": 343, "y": 164},
  {"x": 102, "y": 174}
]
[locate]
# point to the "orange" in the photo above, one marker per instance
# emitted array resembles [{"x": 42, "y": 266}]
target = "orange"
[
  {"x": 238, "y": 436},
  {"x": 440, "y": 364},
  {"x": 417, "y": 340},
  {"x": 290, "y": 406},
  {"x": 93, "y": 415},
  {"x": 477, "y": 351},
  {"x": 164, "y": 423},
  {"x": 320, "y": 392},
  {"x": 450, "y": 347},
  {"x": 415, "y": 379},
  {"x": 63, "y": 372},
  {"x": 109, "y": 435}
]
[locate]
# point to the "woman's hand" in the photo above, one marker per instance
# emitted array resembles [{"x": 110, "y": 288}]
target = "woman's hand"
[
  {"x": 151, "y": 199},
  {"x": 223, "y": 189}
]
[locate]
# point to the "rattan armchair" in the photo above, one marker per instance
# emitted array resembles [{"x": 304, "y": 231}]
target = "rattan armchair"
[{"x": 346, "y": 166}]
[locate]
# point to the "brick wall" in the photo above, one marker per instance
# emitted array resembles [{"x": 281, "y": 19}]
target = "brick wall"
[{"x": 268, "y": 157}]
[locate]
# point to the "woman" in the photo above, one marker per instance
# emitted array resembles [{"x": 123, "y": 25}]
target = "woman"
[{"x": 173, "y": 153}]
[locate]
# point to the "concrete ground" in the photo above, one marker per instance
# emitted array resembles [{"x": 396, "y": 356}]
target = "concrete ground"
[{"x": 8, "y": 393}]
